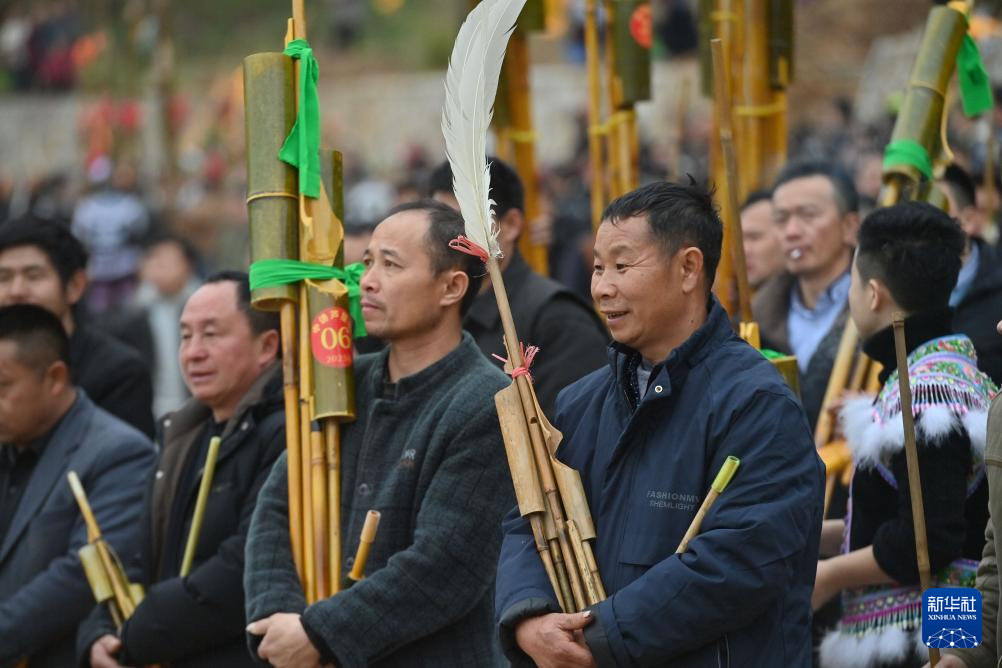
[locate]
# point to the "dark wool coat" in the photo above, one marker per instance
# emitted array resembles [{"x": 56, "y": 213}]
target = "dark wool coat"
[
  {"x": 740, "y": 595},
  {"x": 198, "y": 621},
  {"x": 429, "y": 458}
]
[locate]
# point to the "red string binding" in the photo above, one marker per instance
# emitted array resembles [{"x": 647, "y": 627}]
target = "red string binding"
[
  {"x": 528, "y": 354},
  {"x": 466, "y": 245}
]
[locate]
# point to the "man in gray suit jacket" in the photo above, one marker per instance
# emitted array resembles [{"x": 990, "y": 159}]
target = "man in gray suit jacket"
[{"x": 48, "y": 428}]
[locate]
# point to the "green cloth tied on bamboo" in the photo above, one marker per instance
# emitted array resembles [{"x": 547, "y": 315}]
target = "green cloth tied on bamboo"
[
  {"x": 273, "y": 272},
  {"x": 909, "y": 153},
  {"x": 302, "y": 146},
  {"x": 771, "y": 354},
  {"x": 975, "y": 87}
]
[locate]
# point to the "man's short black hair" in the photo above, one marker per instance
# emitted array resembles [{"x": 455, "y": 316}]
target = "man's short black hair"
[
  {"x": 844, "y": 190},
  {"x": 915, "y": 249},
  {"x": 186, "y": 247},
  {"x": 65, "y": 252},
  {"x": 755, "y": 197},
  {"x": 260, "y": 321},
  {"x": 961, "y": 185},
  {"x": 444, "y": 225},
  {"x": 39, "y": 335},
  {"x": 506, "y": 186},
  {"x": 679, "y": 215}
]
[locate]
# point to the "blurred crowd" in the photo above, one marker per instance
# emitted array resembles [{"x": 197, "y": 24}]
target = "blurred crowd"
[
  {"x": 42, "y": 47},
  {"x": 149, "y": 245}
]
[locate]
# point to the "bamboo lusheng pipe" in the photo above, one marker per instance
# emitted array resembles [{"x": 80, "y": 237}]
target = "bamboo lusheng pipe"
[
  {"x": 629, "y": 82},
  {"x": 318, "y": 473},
  {"x": 732, "y": 211},
  {"x": 616, "y": 163},
  {"x": 681, "y": 123},
  {"x": 837, "y": 458},
  {"x": 837, "y": 382},
  {"x": 911, "y": 456},
  {"x": 208, "y": 472},
  {"x": 720, "y": 483},
  {"x": 759, "y": 110},
  {"x": 521, "y": 136},
  {"x": 305, "y": 459},
  {"x": 332, "y": 390},
  {"x": 112, "y": 567},
  {"x": 835, "y": 454},
  {"x": 923, "y": 103},
  {"x": 559, "y": 483},
  {"x": 365, "y": 541},
  {"x": 528, "y": 489},
  {"x": 293, "y": 434},
  {"x": 273, "y": 215},
  {"x": 332, "y": 441},
  {"x": 722, "y": 21},
  {"x": 595, "y": 126}
]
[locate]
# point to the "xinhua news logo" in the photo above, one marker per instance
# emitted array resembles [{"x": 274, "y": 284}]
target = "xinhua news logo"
[{"x": 951, "y": 617}]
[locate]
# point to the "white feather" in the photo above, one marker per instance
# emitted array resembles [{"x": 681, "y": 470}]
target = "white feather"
[{"x": 470, "y": 88}]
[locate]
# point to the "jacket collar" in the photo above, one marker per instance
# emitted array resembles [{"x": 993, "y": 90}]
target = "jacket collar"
[
  {"x": 772, "y": 309},
  {"x": 989, "y": 276},
  {"x": 484, "y": 310},
  {"x": 919, "y": 328},
  {"x": 193, "y": 414},
  {"x": 437, "y": 373},
  {"x": 672, "y": 370},
  {"x": 51, "y": 467}
]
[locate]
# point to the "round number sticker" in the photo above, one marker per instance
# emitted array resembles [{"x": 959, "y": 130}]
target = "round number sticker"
[{"x": 330, "y": 338}]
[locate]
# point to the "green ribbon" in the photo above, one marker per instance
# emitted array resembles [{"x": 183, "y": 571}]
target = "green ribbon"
[
  {"x": 975, "y": 87},
  {"x": 771, "y": 354},
  {"x": 910, "y": 153},
  {"x": 302, "y": 146},
  {"x": 274, "y": 272}
]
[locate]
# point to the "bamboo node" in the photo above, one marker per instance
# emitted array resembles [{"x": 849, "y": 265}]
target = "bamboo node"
[{"x": 257, "y": 196}]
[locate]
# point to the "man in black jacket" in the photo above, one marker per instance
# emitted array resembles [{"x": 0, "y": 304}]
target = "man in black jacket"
[
  {"x": 977, "y": 297},
  {"x": 571, "y": 337},
  {"x": 228, "y": 357},
  {"x": 42, "y": 263}
]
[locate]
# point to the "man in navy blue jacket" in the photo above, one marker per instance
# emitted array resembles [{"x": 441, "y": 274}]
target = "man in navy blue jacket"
[{"x": 648, "y": 433}]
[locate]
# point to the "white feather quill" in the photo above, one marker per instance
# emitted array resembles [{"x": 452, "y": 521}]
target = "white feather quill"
[{"x": 470, "y": 88}]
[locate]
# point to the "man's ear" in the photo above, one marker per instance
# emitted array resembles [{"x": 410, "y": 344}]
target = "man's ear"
[
  {"x": 690, "y": 266},
  {"x": 58, "y": 375},
  {"x": 512, "y": 223},
  {"x": 76, "y": 287},
  {"x": 850, "y": 228},
  {"x": 455, "y": 283},
  {"x": 268, "y": 344},
  {"x": 877, "y": 295}
]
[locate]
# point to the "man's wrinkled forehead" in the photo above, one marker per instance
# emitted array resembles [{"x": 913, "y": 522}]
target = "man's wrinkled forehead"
[
  {"x": 213, "y": 304},
  {"x": 619, "y": 235},
  {"x": 401, "y": 236}
]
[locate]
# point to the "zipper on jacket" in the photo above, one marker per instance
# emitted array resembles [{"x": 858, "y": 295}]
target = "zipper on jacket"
[{"x": 723, "y": 653}]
